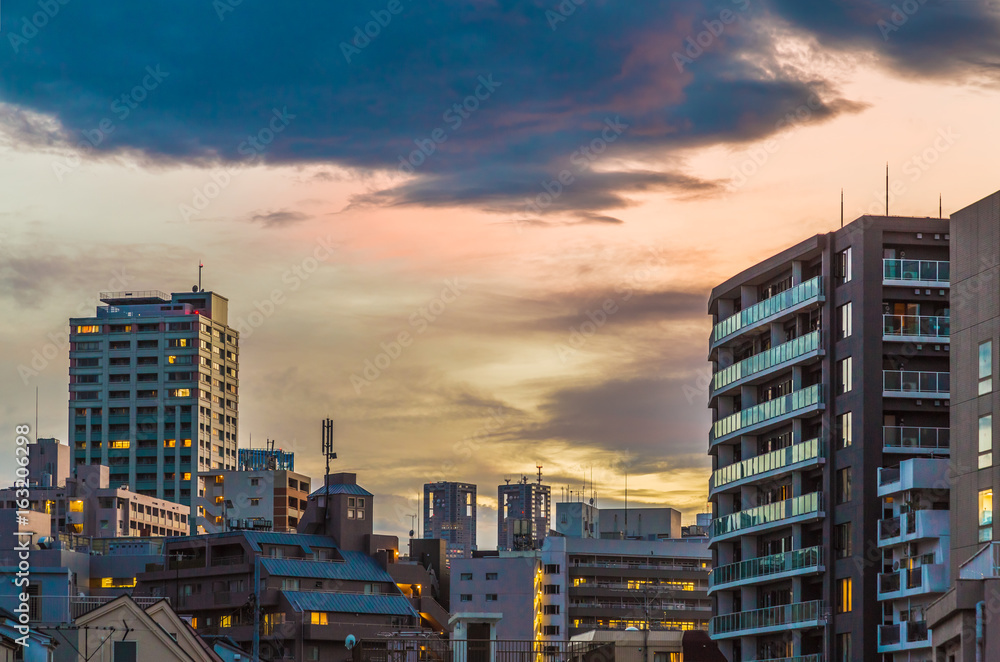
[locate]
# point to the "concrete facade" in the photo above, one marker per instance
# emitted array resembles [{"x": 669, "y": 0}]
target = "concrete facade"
[
  {"x": 497, "y": 597},
  {"x": 274, "y": 500},
  {"x": 830, "y": 362},
  {"x": 154, "y": 391},
  {"x": 524, "y": 514},
  {"x": 450, "y": 515}
]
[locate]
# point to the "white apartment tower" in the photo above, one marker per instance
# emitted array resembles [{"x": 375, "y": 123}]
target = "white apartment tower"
[{"x": 154, "y": 391}]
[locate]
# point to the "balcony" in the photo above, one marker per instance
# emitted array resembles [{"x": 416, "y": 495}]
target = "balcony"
[
  {"x": 912, "y": 526},
  {"x": 914, "y": 384},
  {"x": 916, "y": 273},
  {"x": 768, "y": 413},
  {"x": 924, "y": 580},
  {"x": 905, "y": 636},
  {"x": 916, "y": 328},
  {"x": 768, "y": 310},
  {"x": 815, "y": 657},
  {"x": 795, "y": 457},
  {"x": 781, "y": 513},
  {"x": 797, "y": 616},
  {"x": 930, "y": 441},
  {"x": 917, "y": 473},
  {"x": 770, "y": 360},
  {"x": 767, "y": 568}
]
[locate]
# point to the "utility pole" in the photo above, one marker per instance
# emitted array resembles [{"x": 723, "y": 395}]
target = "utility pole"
[{"x": 256, "y": 609}]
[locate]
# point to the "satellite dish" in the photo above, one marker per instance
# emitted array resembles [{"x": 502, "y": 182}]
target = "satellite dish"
[
  {"x": 194, "y": 288},
  {"x": 350, "y": 641}
]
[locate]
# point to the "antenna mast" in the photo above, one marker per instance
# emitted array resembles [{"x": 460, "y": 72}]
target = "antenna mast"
[
  {"x": 330, "y": 454},
  {"x": 201, "y": 265}
]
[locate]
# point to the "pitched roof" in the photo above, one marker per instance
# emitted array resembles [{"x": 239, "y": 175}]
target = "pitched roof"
[
  {"x": 342, "y": 488},
  {"x": 356, "y": 566},
  {"x": 349, "y": 603},
  {"x": 304, "y": 540}
]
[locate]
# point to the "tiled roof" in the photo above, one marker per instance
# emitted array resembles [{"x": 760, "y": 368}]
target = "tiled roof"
[
  {"x": 256, "y": 538},
  {"x": 355, "y": 567},
  {"x": 349, "y": 603},
  {"x": 341, "y": 488}
]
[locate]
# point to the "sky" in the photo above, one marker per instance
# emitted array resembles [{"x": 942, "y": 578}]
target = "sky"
[{"x": 480, "y": 235}]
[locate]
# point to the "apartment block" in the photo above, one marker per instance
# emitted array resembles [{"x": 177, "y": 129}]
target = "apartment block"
[
  {"x": 962, "y": 620},
  {"x": 450, "y": 515},
  {"x": 830, "y": 406},
  {"x": 524, "y": 514},
  {"x": 154, "y": 391},
  {"x": 497, "y": 595},
  {"x": 87, "y": 504},
  {"x": 272, "y": 500}
]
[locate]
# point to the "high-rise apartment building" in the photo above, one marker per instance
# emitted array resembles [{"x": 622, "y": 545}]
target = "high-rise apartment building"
[
  {"x": 829, "y": 399},
  {"x": 962, "y": 620},
  {"x": 524, "y": 510},
  {"x": 154, "y": 391},
  {"x": 450, "y": 515}
]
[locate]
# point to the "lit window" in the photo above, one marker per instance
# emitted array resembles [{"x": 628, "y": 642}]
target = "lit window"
[
  {"x": 169, "y": 443},
  {"x": 76, "y": 506},
  {"x": 986, "y": 515},
  {"x": 986, "y": 441},
  {"x": 187, "y": 443},
  {"x": 985, "y": 367},
  {"x": 225, "y": 621},
  {"x": 119, "y": 444},
  {"x": 350, "y": 514},
  {"x": 845, "y": 325},
  {"x": 845, "y": 375},
  {"x": 180, "y": 393},
  {"x": 319, "y": 618},
  {"x": 171, "y": 359},
  {"x": 844, "y": 597},
  {"x": 186, "y": 476},
  {"x": 845, "y": 435},
  {"x": 93, "y": 328}
]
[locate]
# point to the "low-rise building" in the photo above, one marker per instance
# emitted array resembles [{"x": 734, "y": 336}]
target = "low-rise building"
[
  {"x": 497, "y": 595},
  {"x": 259, "y": 498}
]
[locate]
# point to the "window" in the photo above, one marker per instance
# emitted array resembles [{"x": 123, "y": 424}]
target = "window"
[
  {"x": 552, "y": 570},
  {"x": 845, "y": 375},
  {"x": 844, "y": 647},
  {"x": 986, "y": 515},
  {"x": 491, "y": 597},
  {"x": 91, "y": 328},
  {"x": 985, "y": 367},
  {"x": 551, "y": 589},
  {"x": 844, "y": 266},
  {"x": 254, "y": 482},
  {"x": 466, "y": 597},
  {"x": 844, "y": 590},
  {"x": 350, "y": 502},
  {"x": 319, "y": 618},
  {"x": 550, "y": 610},
  {"x": 125, "y": 651},
  {"x": 361, "y": 502},
  {"x": 843, "y": 485},
  {"x": 466, "y": 576},
  {"x": 178, "y": 342},
  {"x": 491, "y": 576},
  {"x": 550, "y": 630},
  {"x": 119, "y": 444},
  {"x": 226, "y": 621},
  {"x": 986, "y": 441},
  {"x": 254, "y": 502},
  {"x": 845, "y": 325},
  {"x": 843, "y": 431},
  {"x": 842, "y": 540}
]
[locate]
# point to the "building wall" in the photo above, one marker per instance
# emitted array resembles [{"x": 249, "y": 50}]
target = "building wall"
[
  {"x": 528, "y": 503},
  {"x": 450, "y": 514},
  {"x": 512, "y": 579},
  {"x": 648, "y": 523}
]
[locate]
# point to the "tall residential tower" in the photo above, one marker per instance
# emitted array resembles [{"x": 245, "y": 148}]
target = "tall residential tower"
[
  {"x": 450, "y": 515},
  {"x": 829, "y": 401},
  {"x": 154, "y": 391}
]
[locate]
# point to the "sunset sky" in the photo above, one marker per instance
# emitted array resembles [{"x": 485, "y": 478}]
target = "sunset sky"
[{"x": 540, "y": 194}]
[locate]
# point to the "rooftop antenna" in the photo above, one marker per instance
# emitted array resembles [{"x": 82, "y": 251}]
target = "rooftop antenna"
[
  {"x": 539, "y": 473},
  {"x": 201, "y": 265},
  {"x": 886, "y": 188},
  {"x": 330, "y": 454},
  {"x": 626, "y": 503},
  {"x": 841, "y": 207},
  {"x": 940, "y": 209},
  {"x": 36, "y": 414}
]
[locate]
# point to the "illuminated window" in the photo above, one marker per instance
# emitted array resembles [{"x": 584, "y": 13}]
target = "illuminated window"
[
  {"x": 844, "y": 598},
  {"x": 172, "y": 359},
  {"x": 187, "y": 443},
  {"x": 93, "y": 328},
  {"x": 845, "y": 435},
  {"x": 845, "y": 375},
  {"x": 225, "y": 621},
  {"x": 218, "y": 479},
  {"x": 986, "y": 515},
  {"x": 845, "y": 323},
  {"x": 119, "y": 444},
  {"x": 169, "y": 443},
  {"x": 76, "y": 506},
  {"x": 118, "y": 582},
  {"x": 180, "y": 393},
  {"x": 319, "y": 618},
  {"x": 186, "y": 476}
]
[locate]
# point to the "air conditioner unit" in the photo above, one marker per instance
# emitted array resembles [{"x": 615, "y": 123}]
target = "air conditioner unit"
[{"x": 895, "y": 566}]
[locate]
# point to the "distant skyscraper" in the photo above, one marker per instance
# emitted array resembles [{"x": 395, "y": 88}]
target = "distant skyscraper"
[
  {"x": 154, "y": 391},
  {"x": 450, "y": 515},
  {"x": 265, "y": 459},
  {"x": 523, "y": 514}
]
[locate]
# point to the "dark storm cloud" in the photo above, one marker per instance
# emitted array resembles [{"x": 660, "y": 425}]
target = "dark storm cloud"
[
  {"x": 277, "y": 219},
  {"x": 466, "y": 95}
]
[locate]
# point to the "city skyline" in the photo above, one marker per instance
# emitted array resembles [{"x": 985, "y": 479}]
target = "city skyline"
[{"x": 329, "y": 248}]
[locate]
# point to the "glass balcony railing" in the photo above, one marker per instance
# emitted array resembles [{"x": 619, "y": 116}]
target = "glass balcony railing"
[
  {"x": 937, "y": 271},
  {"x": 912, "y": 381},
  {"x": 806, "y": 504},
  {"x": 765, "y": 411},
  {"x": 783, "y": 457},
  {"x": 769, "y": 617},
  {"x": 889, "y": 582},
  {"x": 801, "y": 293},
  {"x": 764, "y": 566},
  {"x": 815, "y": 657},
  {"x": 909, "y": 326},
  {"x": 902, "y": 437},
  {"x": 767, "y": 359}
]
